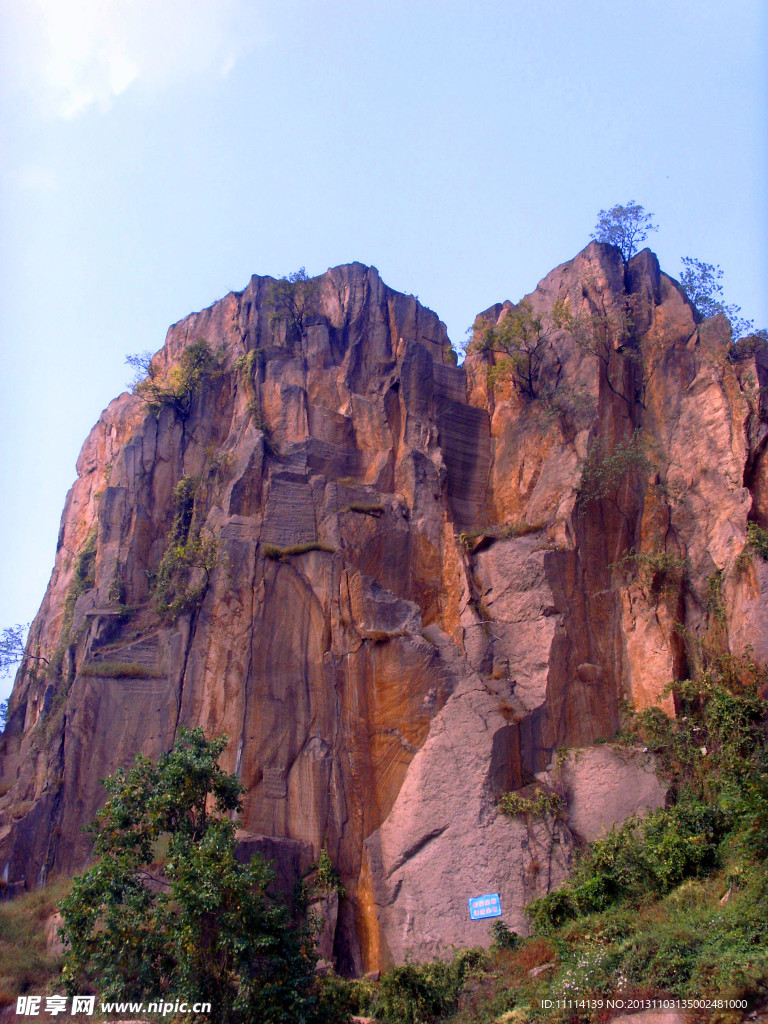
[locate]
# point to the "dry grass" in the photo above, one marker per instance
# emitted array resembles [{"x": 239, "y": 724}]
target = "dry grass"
[
  {"x": 534, "y": 953},
  {"x": 489, "y": 998},
  {"x": 120, "y": 670},
  {"x": 19, "y": 810},
  {"x": 371, "y": 508},
  {"x": 278, "y": 553},
  {"x": 25, "y": 963},
  {"x": 502, "y": 531},
  {"x": 520, "y": 529}
]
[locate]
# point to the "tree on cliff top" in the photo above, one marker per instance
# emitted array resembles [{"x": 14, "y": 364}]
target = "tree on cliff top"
[
  {"x": 625, "y": 227},
  {"x": 293, "y": 298},
  {"x": 200, "y": 929}
]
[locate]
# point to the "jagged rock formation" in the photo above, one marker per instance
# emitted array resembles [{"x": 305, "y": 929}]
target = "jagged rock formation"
[{"x": 398, "y": 585}]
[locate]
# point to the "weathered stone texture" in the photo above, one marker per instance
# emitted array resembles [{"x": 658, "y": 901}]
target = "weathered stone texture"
[{"x": 412, "y": 606}]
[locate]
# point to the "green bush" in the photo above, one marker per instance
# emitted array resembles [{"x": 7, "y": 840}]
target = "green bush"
[
  {"x": 83, "y": 579},
  {"x": 715, "y": 756},
  {"x": 423, "y": 993},
  {"x": 673, "y": 904},
  {"x": 503, "y": 938},
  {"x": 84, "y": 576},
  {"x": 244, "y": 367},
  {"x": 639, "y": 857},
  {"x": 188, "y": 550},
  {"x": 184, "y": 507},
  {"x": 715, "y": 749},
  {"x": 614, "y": 474},
  {"x": 659, "y": 571},
  {"x": 757, "y": 539},
  {"x": 536, "y": 802},
  {"x": 502, "y": 531},
  {"x": 178, "y": 386},
  {"x": 369, "y": 508},
  {"x": 327, "y": 877}
]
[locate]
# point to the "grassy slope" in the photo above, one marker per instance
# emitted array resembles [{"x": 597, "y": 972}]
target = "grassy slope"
[{"x": 25, "y": 963}]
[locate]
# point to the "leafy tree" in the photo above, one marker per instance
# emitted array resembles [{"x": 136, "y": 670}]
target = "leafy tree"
[
  {"x": 600, "y": 334},
  {"x": 625, "y": 227},
  {"x": 11, "y": 646},
  {"x": 178, "y": 386},
  {"x": 701, "y": 282},
  {"x": 521, "y": 340},
  {"x": 610, "y": 337},
  {"x": 201, "y": 928},
  {"x": 12, "y": 641},
  {"x": 292, "y": 298},
  {"x": 11, "y": 653}
]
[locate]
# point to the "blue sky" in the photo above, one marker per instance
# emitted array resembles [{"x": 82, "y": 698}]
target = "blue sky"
[{"x": 156, "y": 153}]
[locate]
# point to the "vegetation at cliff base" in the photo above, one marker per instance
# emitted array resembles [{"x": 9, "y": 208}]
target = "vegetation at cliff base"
[
  {"x": 671, "y": 905},
  {"x": 200, "y": 926},
  {"x": 675, "y": 903},
  {"x": 26, "y": 962}
]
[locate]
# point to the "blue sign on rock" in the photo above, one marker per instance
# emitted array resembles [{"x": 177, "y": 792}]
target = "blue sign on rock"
[{"x": 485, "y": 906}]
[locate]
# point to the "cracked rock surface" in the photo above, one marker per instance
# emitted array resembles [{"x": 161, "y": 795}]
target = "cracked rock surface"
[{"x": 408, "y": 606}]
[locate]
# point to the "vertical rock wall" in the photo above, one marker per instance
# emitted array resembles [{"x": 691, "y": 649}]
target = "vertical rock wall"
[{"x": 407, "y": 606}]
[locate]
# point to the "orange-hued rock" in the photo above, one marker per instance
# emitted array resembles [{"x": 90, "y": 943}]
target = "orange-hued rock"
[{"x": 411, "y": 591}]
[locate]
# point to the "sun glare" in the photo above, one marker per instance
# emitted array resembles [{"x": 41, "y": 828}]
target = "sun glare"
[{"x": 86, "y": 53}]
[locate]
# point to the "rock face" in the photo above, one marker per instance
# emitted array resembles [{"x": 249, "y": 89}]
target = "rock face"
[{"x": 397, "y": 585}]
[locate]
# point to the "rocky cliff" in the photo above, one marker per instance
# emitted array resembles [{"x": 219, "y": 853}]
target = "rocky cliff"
[{"x": 401, "y": 587}]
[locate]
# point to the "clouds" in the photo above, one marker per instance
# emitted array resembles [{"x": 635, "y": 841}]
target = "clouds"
[
  {"x": 81, "y": 55},
  {"x": 34, "y": 178}
]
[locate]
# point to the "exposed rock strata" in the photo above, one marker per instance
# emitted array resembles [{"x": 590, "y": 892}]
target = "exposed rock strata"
[{"x": 451, "y": 614}]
